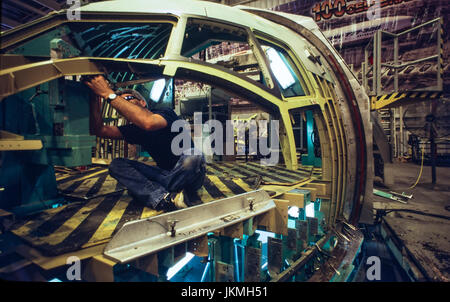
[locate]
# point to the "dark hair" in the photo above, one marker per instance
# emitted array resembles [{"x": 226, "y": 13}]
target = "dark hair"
[{"x": 133, "y": 92}]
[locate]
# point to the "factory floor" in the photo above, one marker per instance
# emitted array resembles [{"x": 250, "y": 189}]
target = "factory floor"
[
  {"x": 99, "y": 206},
  {"x": 413, "y": 245},
  {"x": 418, "y": 233}
]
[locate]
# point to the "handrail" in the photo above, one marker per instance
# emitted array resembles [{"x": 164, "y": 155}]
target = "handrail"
[
  {"x": 412, "y": 29},
  {"x": 409, "y": 62},
  {"x": 376, "y": 42}
]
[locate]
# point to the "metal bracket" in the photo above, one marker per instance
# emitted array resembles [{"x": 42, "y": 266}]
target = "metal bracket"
[
  {"x": 13, "y": 142},
  {"x": 143, "y": 237},
  {"x": 400, "y": 197}
]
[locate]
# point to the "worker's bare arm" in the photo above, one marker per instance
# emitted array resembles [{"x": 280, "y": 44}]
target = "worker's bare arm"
[
  {"x": 135, "y": 113},
  {"x": 96, "y": 125}
]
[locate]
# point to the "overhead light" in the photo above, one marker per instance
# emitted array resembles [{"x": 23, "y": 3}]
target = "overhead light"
[
  {"x": 293, "y": 212},
  {"x": 157, "y": 89},
  {"x": 279, "y": 68},
  {"x": 264, "y": 235},
  {"x": 309, "y": 210},
  {"x": 179, "y": 265}
]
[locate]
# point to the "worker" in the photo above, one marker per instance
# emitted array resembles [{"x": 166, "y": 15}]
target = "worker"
[{"x": 170, "y": 185}]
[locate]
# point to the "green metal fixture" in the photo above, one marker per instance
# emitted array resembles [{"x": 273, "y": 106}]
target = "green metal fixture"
[
  {"x": 310, "y": 158},
  {"x": 55, "y": 113}
]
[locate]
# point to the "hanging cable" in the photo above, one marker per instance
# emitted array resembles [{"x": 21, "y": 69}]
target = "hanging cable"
[{"x": 421, "y": 169}]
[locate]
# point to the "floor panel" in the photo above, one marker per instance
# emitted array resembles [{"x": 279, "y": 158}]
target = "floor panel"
[{"x": 101, "y": 205}]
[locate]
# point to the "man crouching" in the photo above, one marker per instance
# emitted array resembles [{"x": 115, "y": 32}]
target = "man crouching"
[{"x": 173, "y": 182}]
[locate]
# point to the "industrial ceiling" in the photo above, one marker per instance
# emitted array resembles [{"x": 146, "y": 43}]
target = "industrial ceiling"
[{"x": 17, "y": 12}]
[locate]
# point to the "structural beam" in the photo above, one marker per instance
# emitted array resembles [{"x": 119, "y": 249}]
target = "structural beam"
[
  {"x": 51, "y": 4},
  {"x": 147, "y": 236},
  {"x": 9, "y": 22},
  {"x": 30, "y": 8}
]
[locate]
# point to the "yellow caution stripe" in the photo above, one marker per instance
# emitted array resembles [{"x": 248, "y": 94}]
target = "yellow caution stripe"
[
  {"x": 389, "y": 100},
  {"x": 93, "y": 221}
]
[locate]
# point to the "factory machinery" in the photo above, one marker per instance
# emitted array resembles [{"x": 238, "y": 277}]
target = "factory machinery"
[{"x": 292, "y": 221}]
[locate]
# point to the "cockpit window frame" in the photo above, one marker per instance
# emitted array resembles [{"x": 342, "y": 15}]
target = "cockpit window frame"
[
  {"x": 267, "y": 75},
  {"x": 296, "y": 65}
]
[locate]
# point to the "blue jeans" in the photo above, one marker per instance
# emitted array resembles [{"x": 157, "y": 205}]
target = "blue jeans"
[{"x": 150, "y": 184}]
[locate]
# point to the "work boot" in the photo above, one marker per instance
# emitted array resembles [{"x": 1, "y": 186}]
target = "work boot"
[
  {"x": 179, "y": 200},
  {"x": 166, "y": 205},
  {"x": 172, "y": 202}
]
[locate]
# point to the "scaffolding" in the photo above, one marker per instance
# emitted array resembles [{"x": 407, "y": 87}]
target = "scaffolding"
[
  {"x": 375, "y": 47},
  {"x": 389, "y": 102}
]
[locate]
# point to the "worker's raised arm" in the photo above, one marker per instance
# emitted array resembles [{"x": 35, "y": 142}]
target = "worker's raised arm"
[
  {"x": 133, "y": 111},
  {"x": 96, "y": 125}
]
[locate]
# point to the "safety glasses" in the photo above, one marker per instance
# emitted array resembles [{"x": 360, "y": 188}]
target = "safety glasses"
[{"x": 129, "y": 97}]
